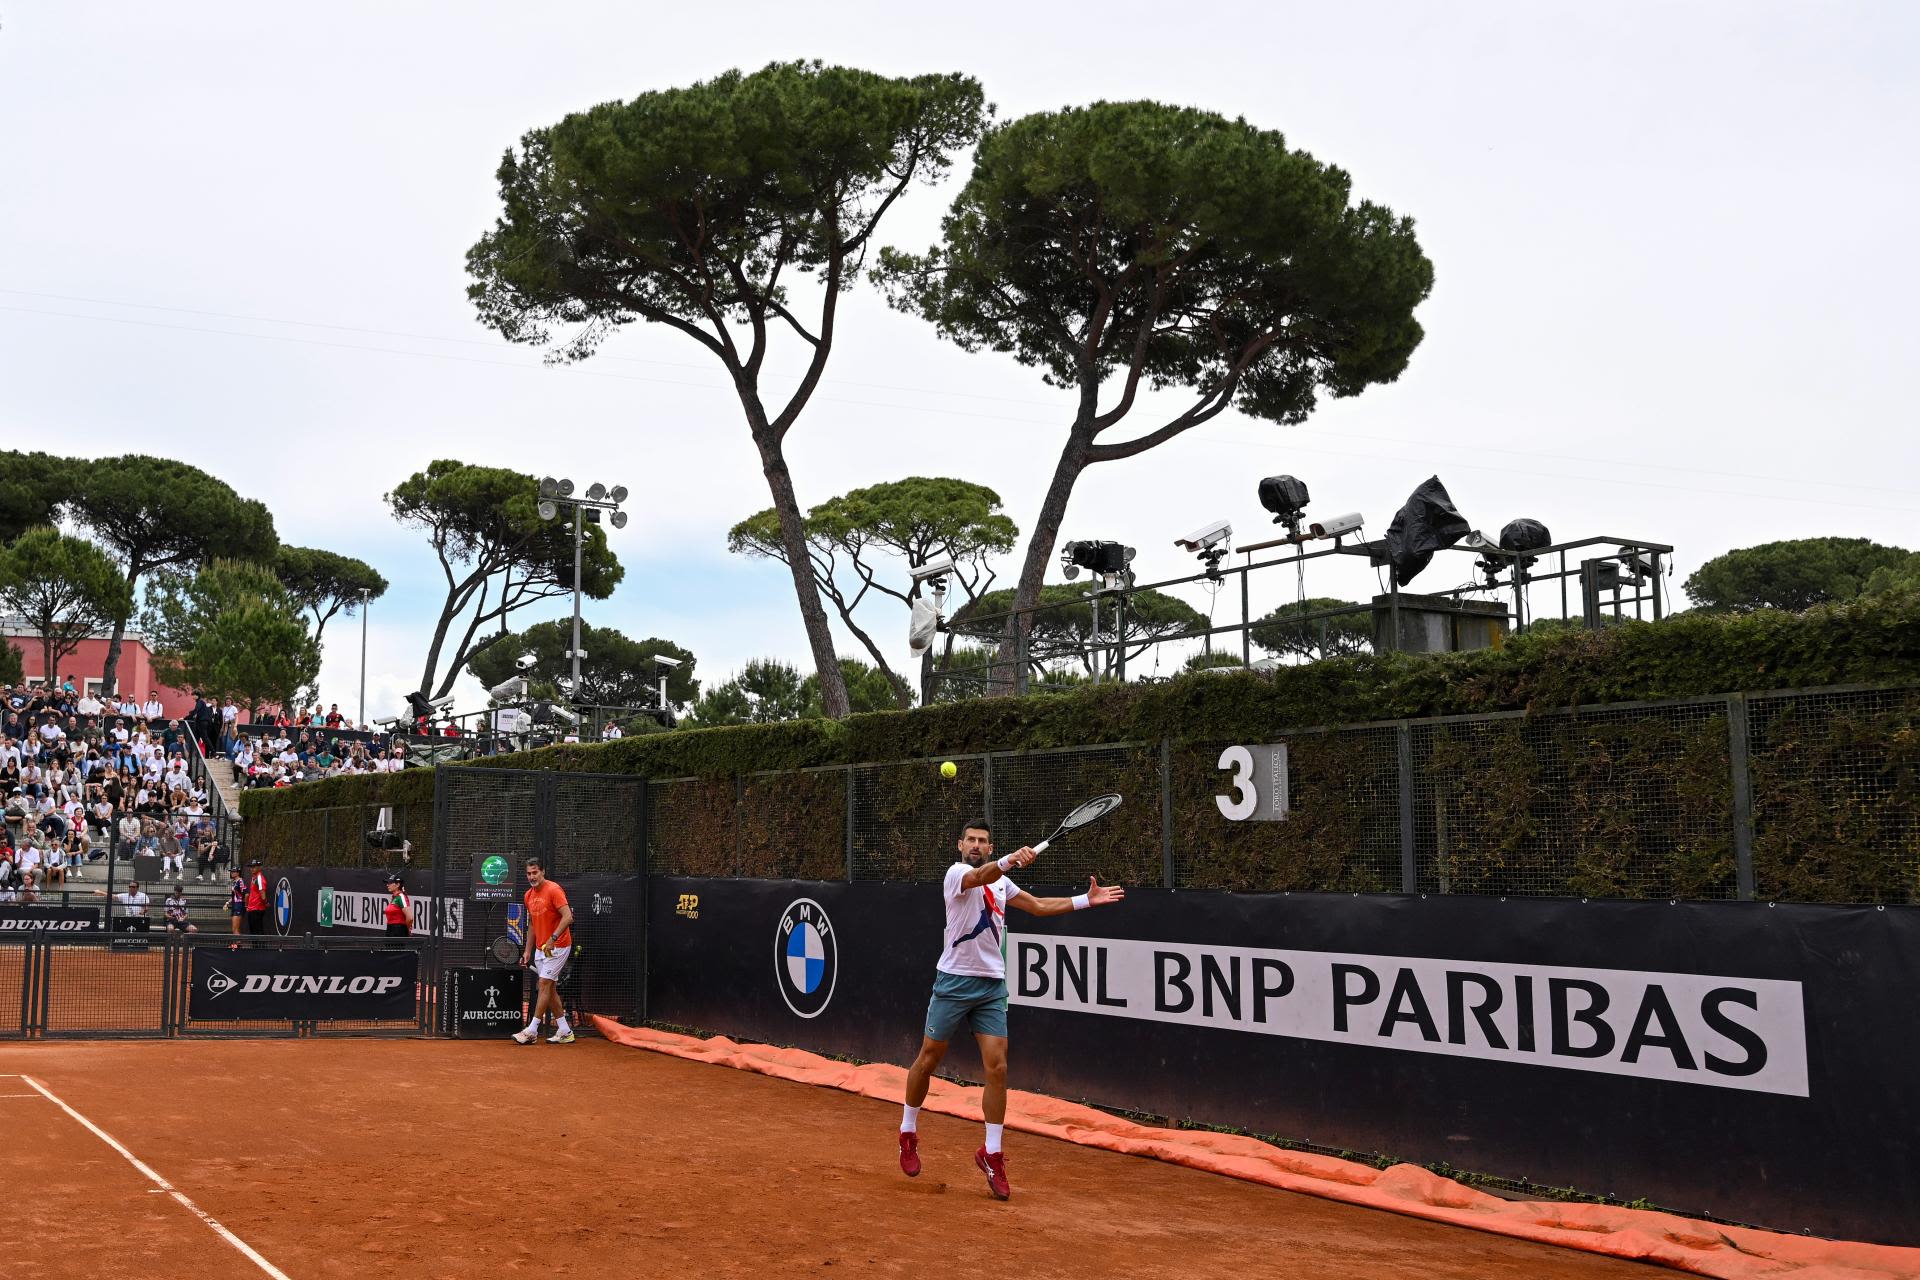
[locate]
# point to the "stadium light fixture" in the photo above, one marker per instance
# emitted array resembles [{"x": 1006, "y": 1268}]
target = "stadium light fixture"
[{"x": 555, "y": 494}]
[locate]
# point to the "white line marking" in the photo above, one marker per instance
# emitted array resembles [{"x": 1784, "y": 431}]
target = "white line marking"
[
  {"x": 160, "y": 1183},
  {"x": 19, "y": 1095}
]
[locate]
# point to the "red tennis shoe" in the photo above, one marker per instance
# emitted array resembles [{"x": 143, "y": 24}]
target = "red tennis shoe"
[
  {"x": 994, "y": 1165},
  {"x": 910, "y": 1154}
]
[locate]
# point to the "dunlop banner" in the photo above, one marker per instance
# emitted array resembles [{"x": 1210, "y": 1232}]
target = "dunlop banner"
[
  {"x": 302, "y": 983},
  {"x": 1604, "y": 1046},
  {"x": 18, "y": 919}
]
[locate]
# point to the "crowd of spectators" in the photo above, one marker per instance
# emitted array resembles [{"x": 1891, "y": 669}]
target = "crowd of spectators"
[
  {"x": 80, "y": 780},
  {"x": 280, "y": 756}
]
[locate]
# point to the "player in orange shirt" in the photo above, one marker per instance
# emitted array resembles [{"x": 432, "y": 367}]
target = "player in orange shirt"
[{"x": 550, "y": 934}]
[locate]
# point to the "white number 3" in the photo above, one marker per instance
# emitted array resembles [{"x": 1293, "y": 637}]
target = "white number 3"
[{"x": 1245, "y": 799}]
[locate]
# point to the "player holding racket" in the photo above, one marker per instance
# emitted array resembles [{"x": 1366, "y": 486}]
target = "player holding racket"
[
  {"x": 549, "y": 940},
  {"x": 970, "y": 986}
]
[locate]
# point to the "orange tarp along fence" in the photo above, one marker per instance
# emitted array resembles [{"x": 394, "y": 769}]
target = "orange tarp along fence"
[{"x": 1727, "y": 1253}]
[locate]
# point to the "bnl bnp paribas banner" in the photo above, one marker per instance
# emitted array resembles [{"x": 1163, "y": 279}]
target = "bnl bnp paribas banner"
[
  {"x": 309, "y": 899},
  {"x": 1749, "y": 1061}
]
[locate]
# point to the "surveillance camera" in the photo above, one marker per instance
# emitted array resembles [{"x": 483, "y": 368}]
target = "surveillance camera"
[
  {"x": 1337, "y": 525},
  {"x": 1205, "y": 537},
  {"x": 665, "y": 661},
  {"x": 937, "y": 567},
  {"x": 525, "y": 662}
]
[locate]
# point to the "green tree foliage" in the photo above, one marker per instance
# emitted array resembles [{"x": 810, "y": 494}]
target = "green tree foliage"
[
  {"x": 1793, "y": 575},
  {"x": 698, "y": 209},
  {"x": 66, "y": 588},
  {"x": 863, "y": 543},
  {"x": 12, "y": 665},
  {"x": 233, "y": 630},
  {"x": 497, "y": 556},
  {"x": 1293, "y": 630},
  {"x": 868, "y": 689},
  {"x": 1902, "y": 575},
  {"x": 767, "y": 691},
  {"x": 1132, "y": 243},
  {"x": 34, "y": 489},
  {"x": 157, "y": 515},
  {"x": 1215, "y": 661},
  {"x": 1065, "y": 628},
  {"x": 326, "y": 583},
  {"x": 617, "y": 671}
]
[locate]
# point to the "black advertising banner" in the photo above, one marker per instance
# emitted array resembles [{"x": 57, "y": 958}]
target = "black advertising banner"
[
  {"x": 845, "y": 968},
  {"x": 277, "y": 983},
  {"x": 17, "y": 919},
  {"x": 1749, "y": 1061},
  {"x": 484, "y": 1003}
]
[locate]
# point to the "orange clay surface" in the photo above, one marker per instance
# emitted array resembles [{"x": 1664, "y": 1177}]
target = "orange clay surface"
[{"x": 354, "y": 1158}]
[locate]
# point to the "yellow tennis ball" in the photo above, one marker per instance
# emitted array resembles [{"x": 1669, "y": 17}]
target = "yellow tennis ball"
[{"x": 949, "y": 769}]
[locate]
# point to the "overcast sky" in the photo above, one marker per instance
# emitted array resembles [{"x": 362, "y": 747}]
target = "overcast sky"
[{"x": 1672, "y": 246}]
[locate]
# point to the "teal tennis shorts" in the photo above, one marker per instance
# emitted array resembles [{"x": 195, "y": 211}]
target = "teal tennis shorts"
[{"x": 980, "y": 1003}]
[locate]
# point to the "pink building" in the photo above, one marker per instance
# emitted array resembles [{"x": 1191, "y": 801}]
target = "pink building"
[{"x": 86, "y": 663}]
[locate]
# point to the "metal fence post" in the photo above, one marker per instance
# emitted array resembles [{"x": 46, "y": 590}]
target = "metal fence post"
[
  {"x": 1166, "y": 814},
  {"x": 986, "y": 788},
  {"x": 1742, "y": 796},
  {"x": 739, "y": 818},
  {"x": 1403, "y": 744},
  {"x": 849, "y": 824}
]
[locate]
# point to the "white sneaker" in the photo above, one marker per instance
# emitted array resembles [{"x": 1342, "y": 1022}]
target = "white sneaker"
[{"x": 527, "y": 1037}]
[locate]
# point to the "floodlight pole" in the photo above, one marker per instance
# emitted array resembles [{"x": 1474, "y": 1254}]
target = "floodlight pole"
[
  {"x": 366, "y": 602},
  {"x": 579, "y": 516}
]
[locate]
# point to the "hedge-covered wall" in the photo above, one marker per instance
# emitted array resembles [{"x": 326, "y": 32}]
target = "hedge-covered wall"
[{"x": 1870, "y": 640}]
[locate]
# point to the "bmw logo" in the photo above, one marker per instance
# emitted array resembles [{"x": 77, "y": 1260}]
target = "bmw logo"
[
  {"x": 806, "y": 957},
  {"x": 283, "y": 906}
]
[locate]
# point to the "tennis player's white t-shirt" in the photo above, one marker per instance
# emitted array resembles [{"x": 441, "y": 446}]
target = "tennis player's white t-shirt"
[{"x": 976, "y": 923}]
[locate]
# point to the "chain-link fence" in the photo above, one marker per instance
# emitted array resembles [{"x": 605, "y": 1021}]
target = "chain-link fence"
[
  {"x": 1805, "y": 795},
  {"x": 360, "y": 835}
]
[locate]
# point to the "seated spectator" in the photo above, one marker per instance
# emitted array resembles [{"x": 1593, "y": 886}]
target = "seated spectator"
[
  {"x": 175, "y": 909},
  {"x": 128, "y": 831},
  {"x": 203, "y": 844},
  {"x": 88, "y": 705},
  {"x": 152, "y": 709}
]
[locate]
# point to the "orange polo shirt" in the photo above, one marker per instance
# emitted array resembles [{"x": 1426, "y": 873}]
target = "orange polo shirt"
[{"x": 543, "y": 913}]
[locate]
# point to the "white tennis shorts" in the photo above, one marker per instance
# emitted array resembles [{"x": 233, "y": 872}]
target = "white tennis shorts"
[{"x": 548, "y": 967}]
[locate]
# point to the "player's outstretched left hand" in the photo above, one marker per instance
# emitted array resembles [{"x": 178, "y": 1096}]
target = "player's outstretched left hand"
[{"x": 1099, "y": 895}]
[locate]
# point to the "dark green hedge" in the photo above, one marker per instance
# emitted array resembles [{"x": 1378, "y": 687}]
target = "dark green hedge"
[{"x": 1872, "y": 639}]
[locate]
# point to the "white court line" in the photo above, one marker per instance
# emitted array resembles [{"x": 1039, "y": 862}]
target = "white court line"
[{"x": 160, "y": 1183}]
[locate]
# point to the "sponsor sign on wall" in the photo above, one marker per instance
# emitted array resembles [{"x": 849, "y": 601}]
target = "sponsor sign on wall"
[
  {"x": 486, "y": 1003},
  {"x": 1715, "y": 1030},
  {"x": 272, "y": 984},
  {"x": 18, "y": 919},
  {"x": 1601, "y": 1046}
]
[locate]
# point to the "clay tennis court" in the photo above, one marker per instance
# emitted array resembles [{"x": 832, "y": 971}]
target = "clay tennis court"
[{"x": 438, "y": 1158}]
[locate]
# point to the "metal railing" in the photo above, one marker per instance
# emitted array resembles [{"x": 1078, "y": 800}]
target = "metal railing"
[{"x": 1107, "y": 635}]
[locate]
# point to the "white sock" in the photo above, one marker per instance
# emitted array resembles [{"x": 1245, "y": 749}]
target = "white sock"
[
  {"x": 993, "y": 1138},
  {"x": 531, "y": 1027},
  {"x": 561, "y": 1026},
  {"x": 909, "y": 1119}
]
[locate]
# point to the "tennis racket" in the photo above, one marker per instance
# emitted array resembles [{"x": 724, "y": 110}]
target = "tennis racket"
[
  {"x": 1092, "y": 810},
  {"x": 505, "y": 949}
]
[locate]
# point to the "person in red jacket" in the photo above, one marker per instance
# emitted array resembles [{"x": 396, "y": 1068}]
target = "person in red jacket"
[{"x": 257, "y": 899}]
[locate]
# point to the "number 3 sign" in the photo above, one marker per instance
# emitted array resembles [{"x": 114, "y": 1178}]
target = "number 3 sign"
[{"x": 1259, "y": 784}]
